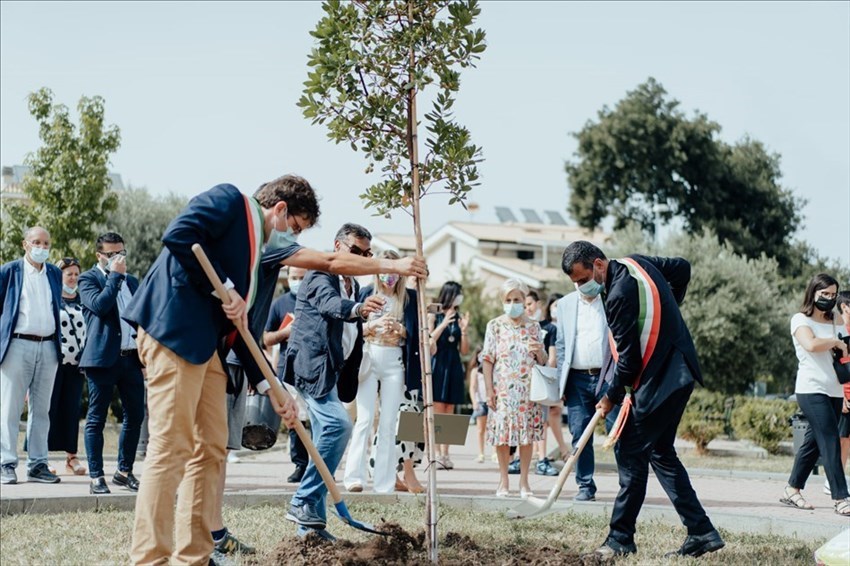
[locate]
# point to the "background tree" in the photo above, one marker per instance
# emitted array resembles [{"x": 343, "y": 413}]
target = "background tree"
[
  {"x": 646, "y": 161},
  {"x": 371, "y": 61},
  {"x": 482, "y": 308},
  {"x": 141, "y": 219},
  {"x": 68, "y": 184}
]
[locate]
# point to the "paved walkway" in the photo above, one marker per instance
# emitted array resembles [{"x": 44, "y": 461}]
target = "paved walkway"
[{"x": 738, "y": 501}]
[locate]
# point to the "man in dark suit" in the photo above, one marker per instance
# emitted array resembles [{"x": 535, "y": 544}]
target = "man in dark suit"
[
  {"x": 30, "y": 295},
  {"x": 322, "y": 361},
  {"x": 183, "y": 329},
  {"x": 656, "y": 367},
  {"x": 110, "y": 359}
]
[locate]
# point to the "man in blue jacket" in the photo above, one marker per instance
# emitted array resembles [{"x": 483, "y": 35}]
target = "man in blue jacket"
[
  {"x": 655, "y": 372},
  {"x": 110, "y": 359},
  {"x": 322, "y": 361},
  {"x": 30, "y": 295},
  {"x": 183, "y": 331}
]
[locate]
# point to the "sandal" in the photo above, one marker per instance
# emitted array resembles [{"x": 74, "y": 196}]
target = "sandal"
[
  {"x": 842, "y": 507},
  {"x": 795, "y": 499},
  {"x": 400, "y": 485},
  {"x": 73, "y": 466}
]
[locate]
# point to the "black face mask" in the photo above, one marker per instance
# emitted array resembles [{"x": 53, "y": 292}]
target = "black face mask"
[{"x": 825, "y": 305}]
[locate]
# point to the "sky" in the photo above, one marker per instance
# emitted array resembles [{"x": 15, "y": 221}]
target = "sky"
[{"x": 205, "y": 93}]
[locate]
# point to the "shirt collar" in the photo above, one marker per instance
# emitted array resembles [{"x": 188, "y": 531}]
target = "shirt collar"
[
  {"x": 32, "y": 270},
  {"x": 102, "y": 269}
]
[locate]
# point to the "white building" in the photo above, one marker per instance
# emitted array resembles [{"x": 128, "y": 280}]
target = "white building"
[{"x": 530, "y": 252}]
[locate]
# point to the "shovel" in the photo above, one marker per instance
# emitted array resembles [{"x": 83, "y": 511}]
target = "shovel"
[
  {"x": 282, "y": 397},
  {"x": 536, "y": 507}
]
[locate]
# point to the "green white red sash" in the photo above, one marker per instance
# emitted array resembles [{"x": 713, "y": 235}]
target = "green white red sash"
[
  {"x": 649, "y": 323},
  {"x": 254, "y": 218}
]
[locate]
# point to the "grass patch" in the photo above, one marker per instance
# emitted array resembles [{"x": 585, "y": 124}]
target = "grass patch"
[{"x": 104, "y": 537}]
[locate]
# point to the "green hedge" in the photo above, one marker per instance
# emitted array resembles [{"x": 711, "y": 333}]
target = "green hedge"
[
  {"x": 703, "y": 420},
  {"x": 764, "y": 421}
]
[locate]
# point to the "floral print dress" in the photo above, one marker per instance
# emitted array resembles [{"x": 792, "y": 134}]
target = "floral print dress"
[{"x": 516, "y": 421}]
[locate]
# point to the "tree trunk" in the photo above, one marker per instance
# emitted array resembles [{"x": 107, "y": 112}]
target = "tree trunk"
[{"x": 424, "y": 335}]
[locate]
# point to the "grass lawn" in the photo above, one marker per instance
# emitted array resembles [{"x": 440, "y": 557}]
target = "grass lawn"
[{"x": 104, "y": 538}]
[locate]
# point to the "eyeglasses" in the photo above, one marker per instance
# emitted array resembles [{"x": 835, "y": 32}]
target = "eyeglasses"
[
  {"x": 827, "y": 294},
  {"x": 357, "y": 251},
  {"x": 67, "y": 262},
  {"x": 109, "y": 255}
]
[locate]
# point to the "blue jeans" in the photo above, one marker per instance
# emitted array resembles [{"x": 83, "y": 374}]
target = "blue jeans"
[
  {"x": 28, "y": 366},
  {"x": 331, "y": 432},
  {"x": 581, "y": 400},
  {"x": 126, "y": 374}
]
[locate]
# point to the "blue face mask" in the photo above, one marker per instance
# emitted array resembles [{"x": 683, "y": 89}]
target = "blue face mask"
[
  {"x": 294, "y": 284},
  {"x": 39, "y": 255},
  {"x": 279, "y": 240},
  {"x": 69, "y": 290},
  {"x": 591, "y": 288},
  {"x": 513, "y": 310}
]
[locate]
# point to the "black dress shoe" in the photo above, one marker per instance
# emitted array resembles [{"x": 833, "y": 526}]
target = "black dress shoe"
[
  {"x": 98, "y": 486},
  {"x": 697, "y": 545},
  {"x": 129, "y": 481},
  {"x": 296, "y": 476}
]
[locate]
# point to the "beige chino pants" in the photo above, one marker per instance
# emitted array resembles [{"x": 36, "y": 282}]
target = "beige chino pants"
[{"x": 185, "y": 455}]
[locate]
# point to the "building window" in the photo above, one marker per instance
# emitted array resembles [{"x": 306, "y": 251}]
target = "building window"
[
  {"x": 525, "y": 254},
  {"x": 452, "y": 252}
]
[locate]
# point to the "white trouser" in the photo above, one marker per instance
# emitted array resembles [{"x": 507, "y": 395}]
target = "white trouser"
[{"x": 385, "y": 366}]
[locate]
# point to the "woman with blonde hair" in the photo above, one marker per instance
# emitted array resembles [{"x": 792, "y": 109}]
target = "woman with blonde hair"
[
  {"x": 391, "y": 363},
  {"x": 512, "y": 346}
]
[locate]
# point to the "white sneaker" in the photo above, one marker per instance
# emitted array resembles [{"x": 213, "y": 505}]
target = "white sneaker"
[
  {"x": 480, "y": 459},
  {"x": 232, "y": 458}
]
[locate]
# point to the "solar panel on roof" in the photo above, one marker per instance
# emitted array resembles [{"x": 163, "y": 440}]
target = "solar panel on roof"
[
  {"x": 531, "y": 216},
  {"x": 504, "y": 214},
  {"x": 555, "y": 217}
]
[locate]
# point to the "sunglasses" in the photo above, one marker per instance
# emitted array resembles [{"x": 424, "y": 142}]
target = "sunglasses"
[
  {"x": 68, "y": 262},
  {"x": 110, "y": 255},
  {"x": 357, "y": 251}
]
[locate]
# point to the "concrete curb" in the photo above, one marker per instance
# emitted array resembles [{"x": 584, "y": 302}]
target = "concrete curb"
[{"x": 749, "y": 524}]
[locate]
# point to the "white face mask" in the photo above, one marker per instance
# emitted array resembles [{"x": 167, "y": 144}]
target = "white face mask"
[
  {"x": 294, "y": 284},
  {"x": 38, "y": 255},
  {"x": 69, "y": 290}
]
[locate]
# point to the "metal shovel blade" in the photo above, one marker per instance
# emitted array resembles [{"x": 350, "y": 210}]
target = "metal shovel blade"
[
  {"x": 532, "y": 507},
  {"x": 345, "y": 517}
]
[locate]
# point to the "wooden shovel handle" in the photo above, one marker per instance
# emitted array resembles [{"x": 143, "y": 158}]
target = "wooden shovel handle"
[{"x": 276, "y": 388}]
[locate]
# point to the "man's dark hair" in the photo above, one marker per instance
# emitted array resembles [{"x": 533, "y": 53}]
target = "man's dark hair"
[
  {"x": 299, "y": 196},
  {"x": 351, "y": 229},
  {"x": 818, "y": 282},
  {"x": 581, "y": 252},
  {"x": 108, "y": 238},
  {"x": 843, "y": 299}
]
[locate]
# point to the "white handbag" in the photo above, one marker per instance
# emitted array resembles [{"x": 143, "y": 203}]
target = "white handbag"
[{"x": 544, "y": 385}]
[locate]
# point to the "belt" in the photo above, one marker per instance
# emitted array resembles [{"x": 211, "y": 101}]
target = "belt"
[
  {"x": 129, "y": 352},
  {"x": 33, "y": 338},
  {"x": 591, "y": 371}
]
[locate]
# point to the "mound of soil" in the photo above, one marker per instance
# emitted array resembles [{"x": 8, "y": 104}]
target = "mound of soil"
[{"x": 401, "y": 547}]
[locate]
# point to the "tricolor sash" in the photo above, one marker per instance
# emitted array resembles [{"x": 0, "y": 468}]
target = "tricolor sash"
[
  {"x": 254, "y": 218},
  {"x": 649, "y": 323}
]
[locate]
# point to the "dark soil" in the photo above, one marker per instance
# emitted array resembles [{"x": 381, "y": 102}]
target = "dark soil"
[{"x": 401, "y": 547}]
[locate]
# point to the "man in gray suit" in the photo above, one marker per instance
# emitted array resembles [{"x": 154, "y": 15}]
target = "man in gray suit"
[{"x": 581, "y": 348}]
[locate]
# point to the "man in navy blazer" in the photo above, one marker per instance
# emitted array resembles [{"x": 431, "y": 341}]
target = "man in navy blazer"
[
  {"x": 322, "y": 361},
  {"x": 183, "y": 328},
  {"x": 110, "y": 359},
  {"x": 30, "y": 295},
  {"x": 655, "y": 355}
]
